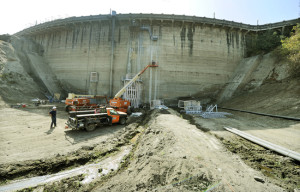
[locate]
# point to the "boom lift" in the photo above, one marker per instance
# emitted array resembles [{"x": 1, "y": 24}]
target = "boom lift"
[{"x": 121, "y": 104}]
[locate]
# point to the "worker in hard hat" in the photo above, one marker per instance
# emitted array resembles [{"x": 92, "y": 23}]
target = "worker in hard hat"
[{"x": 52, "y": 113}]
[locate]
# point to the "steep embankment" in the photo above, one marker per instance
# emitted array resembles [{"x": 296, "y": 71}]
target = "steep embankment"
[
  {"x": 16, "y": 84},
  {"x": 24, "y": 74},
  {"x": 262, "y": 84}
]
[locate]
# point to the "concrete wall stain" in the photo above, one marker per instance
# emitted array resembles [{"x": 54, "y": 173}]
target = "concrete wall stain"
[
  {"x": 182, "y": 37},
  {"x": 109, "y": 31},
  {"x": 237, "y": 39},
  {"x": 90, "y": 37},
  {"x": 82, "y": 35},
  {"x": 66, "y": 42},
  {"x": 160, "y": 32},
  {"x": 119, "y": 38},
  {"x": 228, "y": 41},
  {"x": 232, "y": 39},
  {"x": 98, "y": 37},
  {"x": 203, "y": 58},
  {"x": 174, "y": 40},
  {"x": 73, "y": 37},
  {"x": 190, "y": 35}
]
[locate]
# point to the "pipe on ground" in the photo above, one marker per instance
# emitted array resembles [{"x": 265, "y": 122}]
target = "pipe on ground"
[
  {"x": 263, "y": 114},
  {"x": 266, "y": 144}
]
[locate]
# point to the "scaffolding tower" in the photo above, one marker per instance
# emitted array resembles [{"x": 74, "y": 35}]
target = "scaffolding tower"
[{"x": 134, "y": 91}]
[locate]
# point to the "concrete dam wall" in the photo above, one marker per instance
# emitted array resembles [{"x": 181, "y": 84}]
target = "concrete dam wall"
[{"x": 93, "y": 54}]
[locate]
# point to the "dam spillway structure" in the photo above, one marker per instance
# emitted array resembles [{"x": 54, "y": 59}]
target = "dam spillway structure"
[{"x": 93, "y": 54}]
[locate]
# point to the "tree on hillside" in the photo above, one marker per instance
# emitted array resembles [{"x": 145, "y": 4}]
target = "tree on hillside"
[{"x": 291, "y": 48}]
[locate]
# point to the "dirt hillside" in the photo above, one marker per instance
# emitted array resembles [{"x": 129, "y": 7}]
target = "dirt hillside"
[
  {"x": 24, "y": 74},
  {"x": 16, "y": 85},
  {"x": 275, "y": 97},
  {"x": 266, "y": 88}
]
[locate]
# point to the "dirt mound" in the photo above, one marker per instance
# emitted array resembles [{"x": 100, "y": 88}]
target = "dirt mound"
[
  {"x": 154, "y": 166},
  {"x": 172, "y": 155}
]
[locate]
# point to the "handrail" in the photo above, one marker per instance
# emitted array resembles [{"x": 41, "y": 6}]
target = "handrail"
[{"x": 173, "y": 18}]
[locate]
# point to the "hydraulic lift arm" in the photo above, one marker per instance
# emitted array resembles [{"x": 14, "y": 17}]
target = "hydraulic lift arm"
[{"x": 120, "y": 93}]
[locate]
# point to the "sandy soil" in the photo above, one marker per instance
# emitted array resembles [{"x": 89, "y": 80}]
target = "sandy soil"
[
  {"x": 173, "y": 155},
  {"x": 170, "y": 154},
  {"x": 26, "y": 134}
]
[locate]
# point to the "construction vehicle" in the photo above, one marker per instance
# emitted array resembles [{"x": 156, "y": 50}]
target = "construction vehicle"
[
  {"x": 75, "y": 102},
  {"x": 38, "y": 102},
  {"x": 90, "y": 119},
  {"x": 121, "y": 104}
]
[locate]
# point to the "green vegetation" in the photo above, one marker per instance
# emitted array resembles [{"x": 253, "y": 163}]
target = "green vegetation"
[
  {"x": 266, "y": 41},
  {"x": 5, "y": 37},
  {"x": 291, "y": 48},
  {"x": 263, "y": 42},
  {"x": 284, "y": 44}
]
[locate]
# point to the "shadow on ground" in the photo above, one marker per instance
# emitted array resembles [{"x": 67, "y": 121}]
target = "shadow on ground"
[{"x": 78, "y": 136}]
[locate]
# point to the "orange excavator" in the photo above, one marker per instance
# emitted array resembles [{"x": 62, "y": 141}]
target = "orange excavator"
[{"x": 121, "y": 104}]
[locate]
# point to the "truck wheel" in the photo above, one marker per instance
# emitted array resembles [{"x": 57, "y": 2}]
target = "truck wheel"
[
  {"x": 122, "y": 121},
  {"x": 90, "y": 127},
  {"x": 67, "y": 108},
  {"x": 129, "y": 111}
]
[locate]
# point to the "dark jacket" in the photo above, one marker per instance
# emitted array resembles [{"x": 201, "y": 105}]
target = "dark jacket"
[{"x": 53, "y": 114}]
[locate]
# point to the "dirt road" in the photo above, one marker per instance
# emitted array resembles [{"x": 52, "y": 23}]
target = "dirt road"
[{"x": 26, "y": 134}]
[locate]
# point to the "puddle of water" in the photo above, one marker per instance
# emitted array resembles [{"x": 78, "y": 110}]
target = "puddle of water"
[{"x": 91, "y": 172}]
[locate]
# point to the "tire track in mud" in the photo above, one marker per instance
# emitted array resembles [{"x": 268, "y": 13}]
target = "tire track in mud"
[
  {"x": 79, "y": 157},
  {"x": 283, "y": 171},
  {"x": 90, "y": 172}
]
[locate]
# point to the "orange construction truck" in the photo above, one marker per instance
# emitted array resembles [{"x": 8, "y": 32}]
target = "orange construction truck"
[{"x": 90, "y": 119}]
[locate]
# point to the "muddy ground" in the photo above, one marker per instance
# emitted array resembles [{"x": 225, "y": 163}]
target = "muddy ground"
[
  {"x": 30, "y": 147},
  {"x": 26, "y": 134},
  {"x": 170, "y": 151},
  {"x": 281, "y": 170},
  {"x": 169, "y": 154}
]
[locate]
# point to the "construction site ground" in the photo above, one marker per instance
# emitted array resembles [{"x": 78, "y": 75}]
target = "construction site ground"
[{"x": 170, "y": 151}]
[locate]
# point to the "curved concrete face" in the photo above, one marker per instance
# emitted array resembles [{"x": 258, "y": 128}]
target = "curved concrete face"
[{"x": 193, "y": 57}]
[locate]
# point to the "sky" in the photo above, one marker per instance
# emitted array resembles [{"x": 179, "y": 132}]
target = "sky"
[{"x": 16, "y": 15}]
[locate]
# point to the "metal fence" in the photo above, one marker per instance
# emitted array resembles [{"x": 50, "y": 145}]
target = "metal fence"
[{"x": 59, "y": 23}]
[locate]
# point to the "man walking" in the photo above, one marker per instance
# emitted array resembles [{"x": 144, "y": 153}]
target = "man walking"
[{"x": 53, "y": 116}]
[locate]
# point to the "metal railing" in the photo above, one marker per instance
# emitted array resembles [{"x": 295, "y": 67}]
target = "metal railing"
[{"x": 60, "y": 23}]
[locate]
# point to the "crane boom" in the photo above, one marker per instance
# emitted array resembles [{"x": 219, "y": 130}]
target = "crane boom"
[{"x": 120, "y": 93}]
